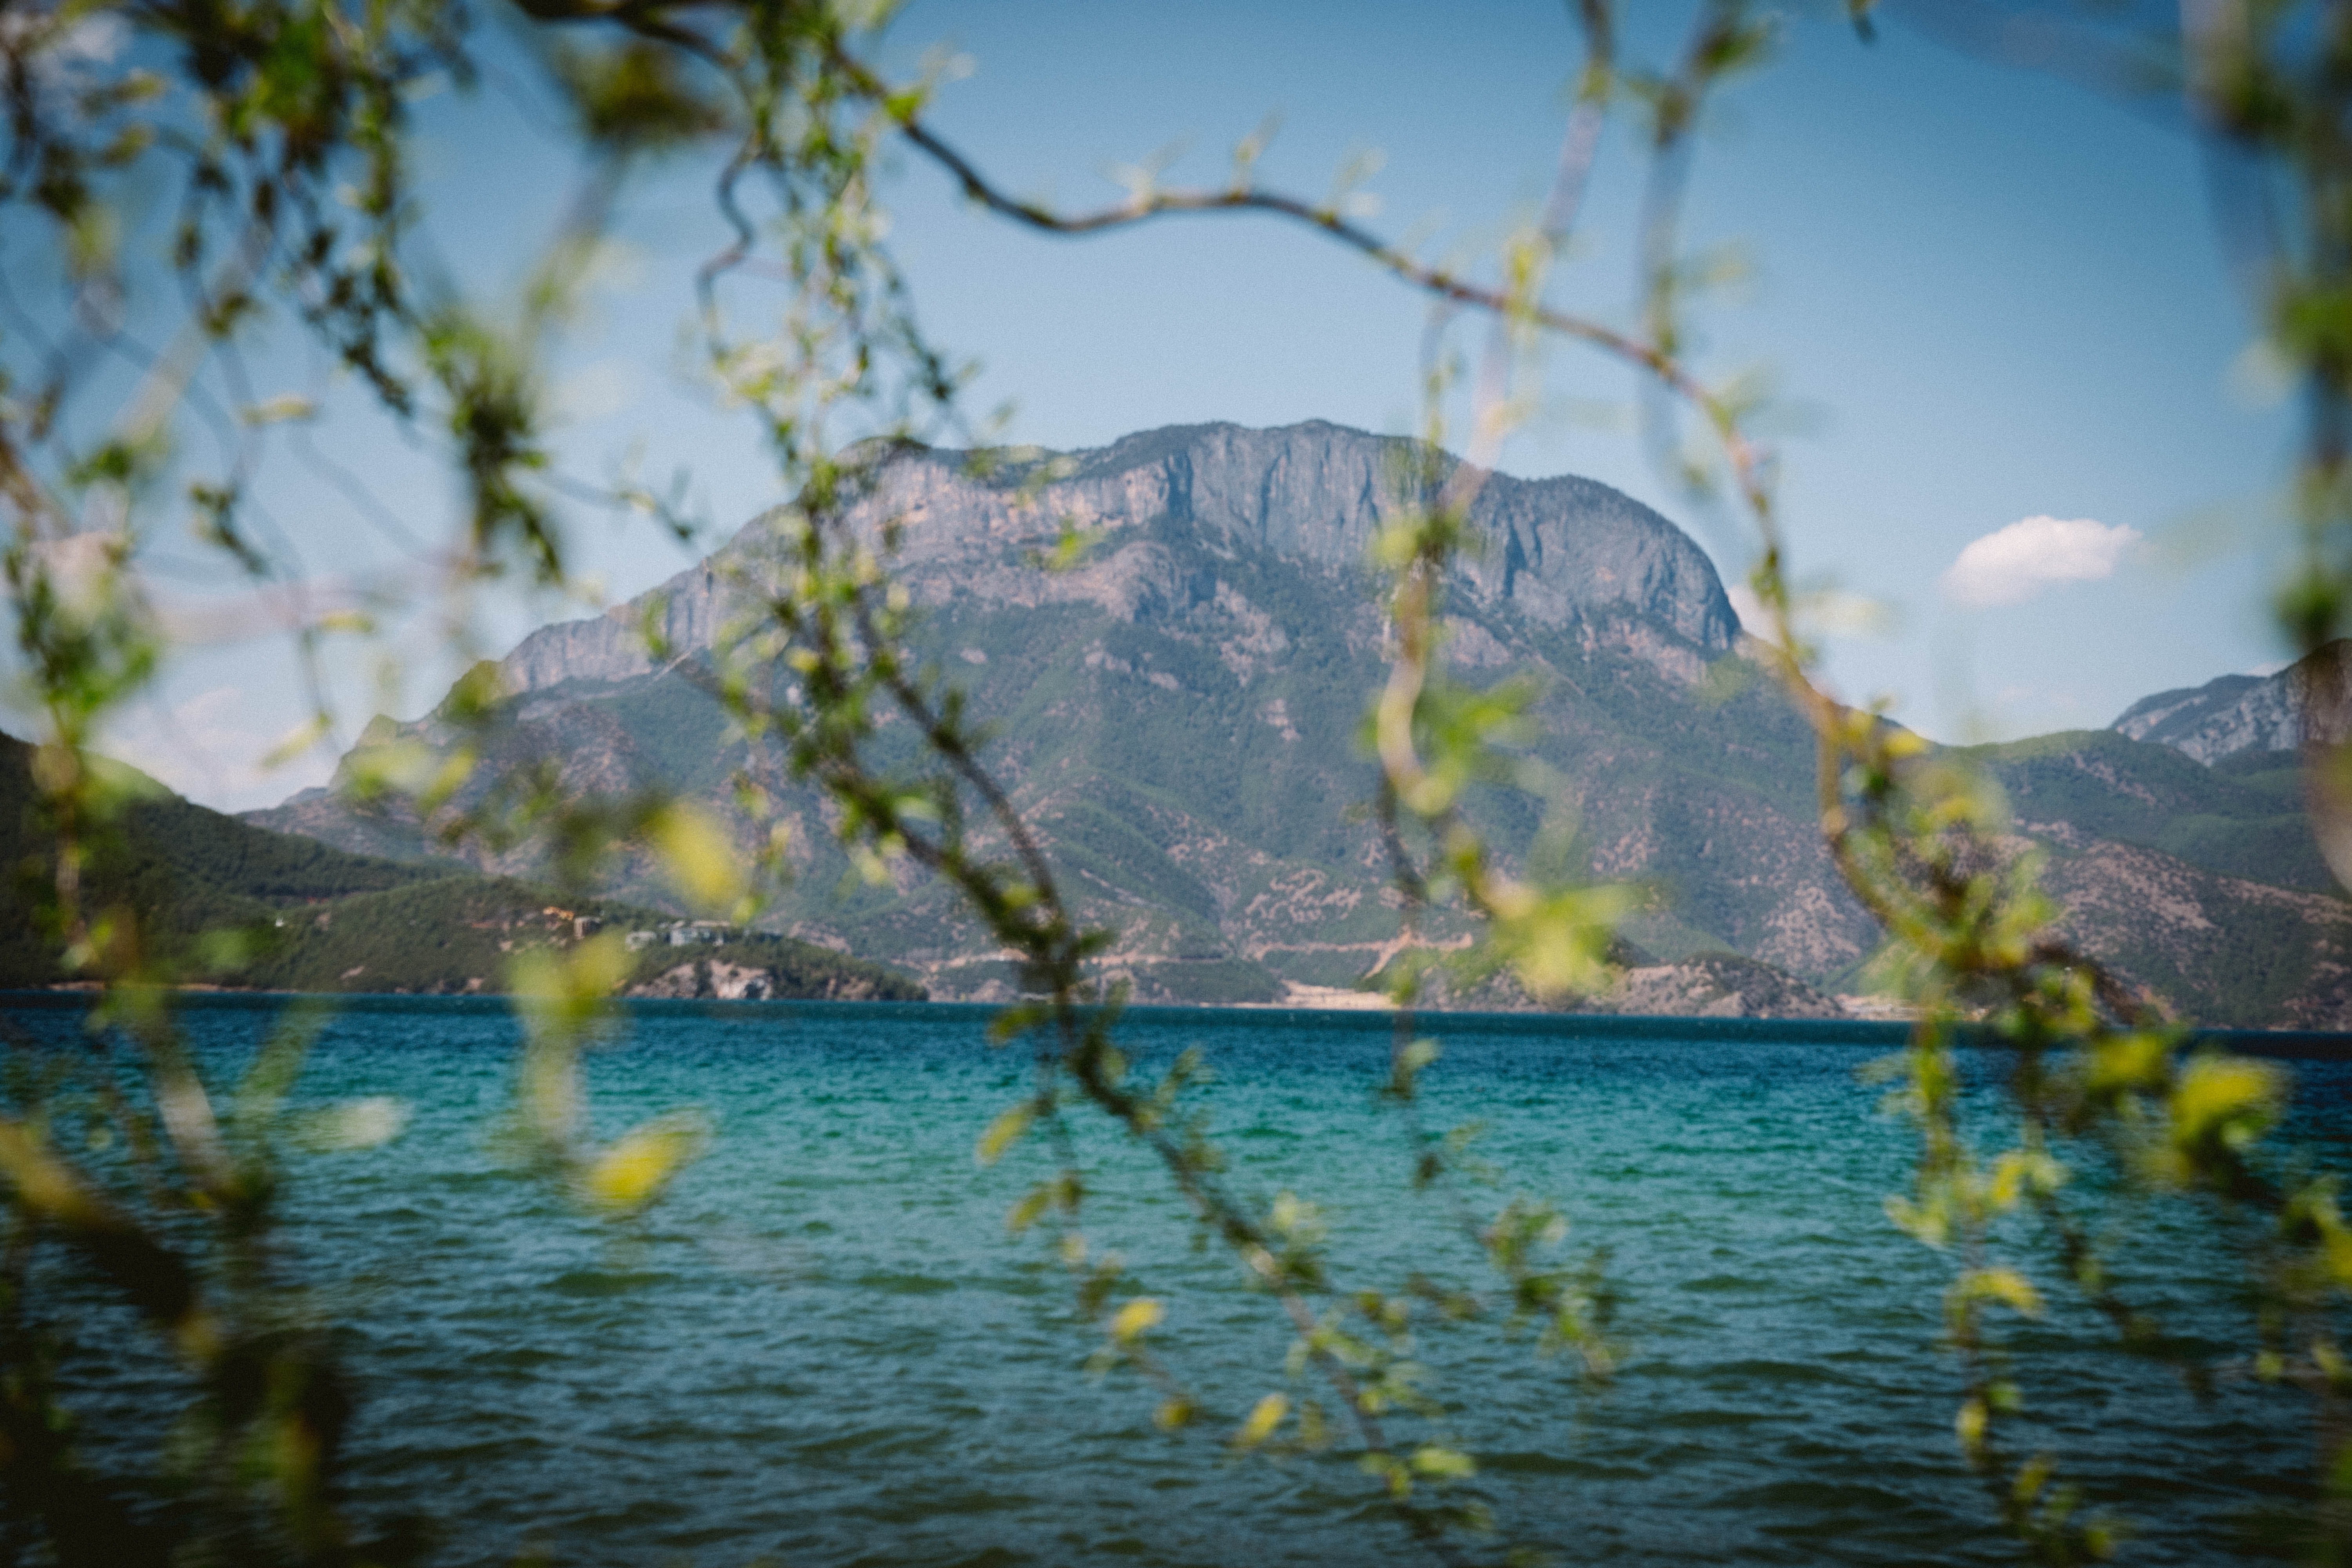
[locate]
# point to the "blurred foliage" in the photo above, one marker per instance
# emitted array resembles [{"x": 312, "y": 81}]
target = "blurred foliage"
[{"x": 278, "y": 132}]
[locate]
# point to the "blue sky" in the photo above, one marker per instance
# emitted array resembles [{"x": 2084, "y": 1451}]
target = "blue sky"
[{"x": 1986, "y": 296}]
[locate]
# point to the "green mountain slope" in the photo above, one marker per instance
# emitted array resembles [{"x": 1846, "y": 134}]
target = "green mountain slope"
[
  {"x": 2087, "y": 784},
  {"x": 2227, "y": 951},
  {"x": 458, "y": 935},
  {"x": 291, "y": 913},
  {"x": 188, "y": 869}
]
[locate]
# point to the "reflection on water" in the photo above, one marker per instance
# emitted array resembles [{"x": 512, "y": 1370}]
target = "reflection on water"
[{"x": 824, "y": 1350}]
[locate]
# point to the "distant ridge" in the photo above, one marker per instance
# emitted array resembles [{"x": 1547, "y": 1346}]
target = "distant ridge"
[{"x": 2236, "y": 714}]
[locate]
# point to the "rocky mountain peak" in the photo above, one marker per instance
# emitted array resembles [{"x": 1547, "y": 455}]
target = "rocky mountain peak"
[{"x": 1556, "y": 550}]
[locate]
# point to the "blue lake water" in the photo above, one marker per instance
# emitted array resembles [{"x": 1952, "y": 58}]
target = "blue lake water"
[{"x": 823, "y": 1348}]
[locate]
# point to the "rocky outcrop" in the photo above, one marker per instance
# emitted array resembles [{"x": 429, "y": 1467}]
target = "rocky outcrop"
[
  {"x": 716, "y": 980},
  {"x": 1715, "y": 985},
  {"x": 1557, "y": 549},
  {"x": 683, "y": 615}
]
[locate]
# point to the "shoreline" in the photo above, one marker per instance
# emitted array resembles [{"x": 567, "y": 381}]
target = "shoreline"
[{"x": 1879, "y": 1034}]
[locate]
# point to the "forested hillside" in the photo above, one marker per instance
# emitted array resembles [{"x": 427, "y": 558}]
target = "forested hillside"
[{"x": 248, "y": 907}]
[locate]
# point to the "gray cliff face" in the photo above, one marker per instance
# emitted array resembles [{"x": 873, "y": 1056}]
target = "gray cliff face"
[
  {"x": 2235, "y": 713},
  {"x": 612, "y": 646},
  {"x": 1558, "y": 551}
]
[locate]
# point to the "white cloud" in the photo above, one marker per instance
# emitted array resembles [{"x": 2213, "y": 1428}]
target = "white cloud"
[
  {"x": 2011, "y": 566},
  {"x": 1749, "y": 608}
]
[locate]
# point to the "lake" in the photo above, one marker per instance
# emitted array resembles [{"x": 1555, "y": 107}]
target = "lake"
[{"x": 824, "y": 1348}]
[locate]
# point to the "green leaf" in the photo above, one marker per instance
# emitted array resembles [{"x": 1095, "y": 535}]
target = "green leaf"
[
  {"x": 2006, "y": 1286},
  {"x": 1263, "y": 1417},
  {"x": 1004, "y": 1132},
  {"x": 699, "y": 861},
  {"x": 2225, "y": 1102},
  {"x": 635, "y": 1169},
  {"x": 1444, "y": 1464},
  {"x": 1032, "y": 1207},
  {"x": 1136, "y": 1318}
]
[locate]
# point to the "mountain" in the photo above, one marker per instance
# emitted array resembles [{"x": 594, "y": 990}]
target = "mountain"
[
  {"x": 1177, "y": 718},
  {"x": 1311, "y": 496},
  {"x": 2238, "y": 715},
  {"x": 273, "y": 911}
]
